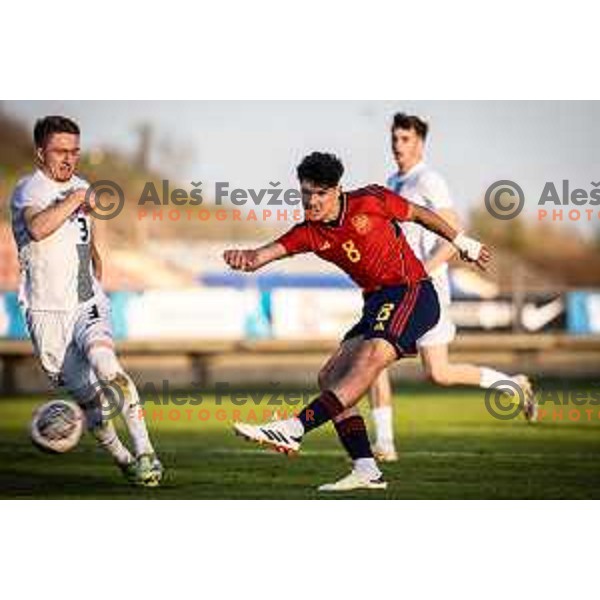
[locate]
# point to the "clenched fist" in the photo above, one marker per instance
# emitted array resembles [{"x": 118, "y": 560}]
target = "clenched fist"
[
  {"x": 472, "y": 250},
  {"x": 241, "y": 260},
  {"x": 84, "y": 198}
]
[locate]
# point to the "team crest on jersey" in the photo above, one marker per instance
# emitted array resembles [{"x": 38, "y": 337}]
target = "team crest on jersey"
[{"x": 362, "y": 224}]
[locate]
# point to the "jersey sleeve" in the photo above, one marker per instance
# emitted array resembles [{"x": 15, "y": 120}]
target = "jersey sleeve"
[
  {"x": 26, "y": 195},
  {"x": 296, "y": 240},
  {"x": 435, "y": 190},
  {"x": 21, "y": 199}
]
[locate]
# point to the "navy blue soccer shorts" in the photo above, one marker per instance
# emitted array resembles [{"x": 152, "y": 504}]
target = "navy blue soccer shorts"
[{"x": 400, "y": 315}]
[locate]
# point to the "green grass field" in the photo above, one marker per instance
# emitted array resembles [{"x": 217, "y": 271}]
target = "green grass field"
[{"x": 450, "y": 448}]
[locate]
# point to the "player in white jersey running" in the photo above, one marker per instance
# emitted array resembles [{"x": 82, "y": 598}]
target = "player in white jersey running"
[
  {"x": 418, "y": 183},
  {"x": 67, "y": 313}
]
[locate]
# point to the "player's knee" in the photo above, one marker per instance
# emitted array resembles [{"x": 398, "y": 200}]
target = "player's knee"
[
  {"x": 375, "y": 354},
  {"x": 105, "y": 363}
]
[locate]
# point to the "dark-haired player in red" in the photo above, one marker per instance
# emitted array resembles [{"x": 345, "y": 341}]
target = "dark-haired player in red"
[{"x": 358, "y": 231}]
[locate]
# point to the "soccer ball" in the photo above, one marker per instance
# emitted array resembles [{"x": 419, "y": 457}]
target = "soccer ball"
[{"x": 57, "y": 426}]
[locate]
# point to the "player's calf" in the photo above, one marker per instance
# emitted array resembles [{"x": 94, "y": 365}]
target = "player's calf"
[
  {"x": 286, "y": 436},
  {"x": 327, "y": 406},
  {"x": 122, "y": 390},
  {"x": 131, "y": 413}
]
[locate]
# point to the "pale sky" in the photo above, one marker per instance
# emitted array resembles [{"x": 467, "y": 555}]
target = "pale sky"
[{"x": 251, "y": 143}]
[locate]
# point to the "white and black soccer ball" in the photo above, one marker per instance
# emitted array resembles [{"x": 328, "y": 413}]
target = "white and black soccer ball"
[{"x": 57, "y": 426}]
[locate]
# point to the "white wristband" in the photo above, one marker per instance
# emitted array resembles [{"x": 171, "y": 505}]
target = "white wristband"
[{"x": 468, "y": 247}]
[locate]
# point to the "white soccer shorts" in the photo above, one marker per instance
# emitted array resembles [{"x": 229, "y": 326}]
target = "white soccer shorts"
[
  {"x": 61, "y": 341},
  {"x": 444, "y": 332}
]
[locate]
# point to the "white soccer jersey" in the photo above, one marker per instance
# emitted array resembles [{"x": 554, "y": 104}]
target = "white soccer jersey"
[
  {"x": 56, "y": 272},
  {"x": 424, "y": 187}
]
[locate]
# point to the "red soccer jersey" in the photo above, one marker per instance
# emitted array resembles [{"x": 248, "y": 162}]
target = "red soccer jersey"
[{"x": 364, "y": 241}]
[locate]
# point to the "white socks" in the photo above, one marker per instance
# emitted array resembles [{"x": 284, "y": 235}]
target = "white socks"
[
  {"x": 384, "y": 425},
  {"x": 132, "y": 416},
  {"x": 106, "y": 365},
  {"x": 489, "y": 377},
  {"x": 367, "y": 467},
  {"x": 107, "y": 438}
]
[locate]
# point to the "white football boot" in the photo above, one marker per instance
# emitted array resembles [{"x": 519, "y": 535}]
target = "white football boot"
[
  {"x": 278, "y": 435},
  {"x": 355, "y": 481}
]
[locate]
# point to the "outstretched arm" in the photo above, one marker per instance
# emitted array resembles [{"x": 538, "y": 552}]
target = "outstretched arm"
[
  {"x": 469, "y": 248},
  {"x": 251, "y": 260}
]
